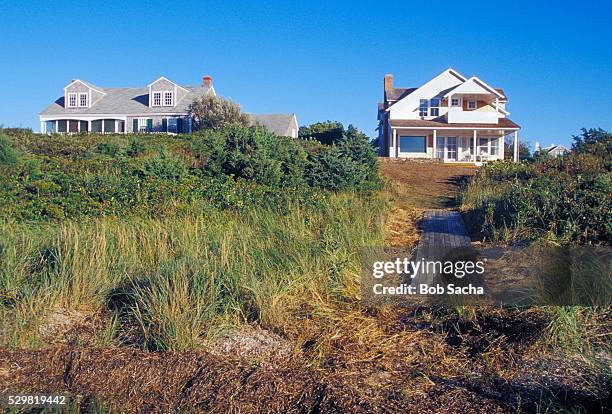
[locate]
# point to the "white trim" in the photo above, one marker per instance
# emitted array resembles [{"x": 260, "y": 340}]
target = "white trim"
[
  {"x": 153, "y": 93},
  {"x": 69, "y": 95},
  {"x": 84, "y": 84},
  {"x": 168, "y": 80},
  {"x": 171, "y": 94},
  {"x": 449, "y": 71},
  {"x": 100, "y": 116},
  {"x": 491, "y": 128},
  {"x": 86, "y": 95}
]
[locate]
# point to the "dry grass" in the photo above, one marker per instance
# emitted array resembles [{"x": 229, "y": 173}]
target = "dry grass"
[{"x": 301, "y": 344}]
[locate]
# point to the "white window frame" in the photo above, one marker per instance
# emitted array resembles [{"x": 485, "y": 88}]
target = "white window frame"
[
  {"x": 165, "y": 96},
  {"x": 423, "y": 107},
  {"x": 434, "y": 110},
  {"x": 72, "y": 95},
  {"x": 142, "y": 124},
  {"x": 80, "y": 99},
  {"x": 471, "y": 104},
  {"x": 158, "y": 94},
  {"x": 453, "y": 100}
]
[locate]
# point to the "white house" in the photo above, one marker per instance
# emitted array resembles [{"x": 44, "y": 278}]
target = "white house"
[{"x": 450, "y": 117}]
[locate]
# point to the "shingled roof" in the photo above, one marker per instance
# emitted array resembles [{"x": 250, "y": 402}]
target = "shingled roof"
[
  {"x": 503, "y": 123},
  {"x": 126, "y": 101},
  {"x": 279, "y": 124}
]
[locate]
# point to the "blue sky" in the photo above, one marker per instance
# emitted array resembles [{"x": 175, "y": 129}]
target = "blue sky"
[{"x": 321, "y": 60}]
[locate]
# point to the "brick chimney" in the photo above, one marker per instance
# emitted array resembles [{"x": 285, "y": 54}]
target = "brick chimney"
[
  {"x": 207, "y": 81},
  {"x": 388, "y": 82}
]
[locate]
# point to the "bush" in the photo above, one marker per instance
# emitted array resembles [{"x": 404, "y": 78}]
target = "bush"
[
  {"x": 566, "y": 198},
  {"x": 213, "y": 112},
  {"x": 8, "y": 155},
  {"x": 165, "y": 166}
]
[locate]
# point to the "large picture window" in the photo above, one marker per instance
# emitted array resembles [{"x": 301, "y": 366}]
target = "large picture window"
[{"x": 413, "y": 144}]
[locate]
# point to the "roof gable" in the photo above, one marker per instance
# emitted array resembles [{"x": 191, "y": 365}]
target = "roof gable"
[
  {"x": 474, "y": 86},
  {"x": 86, "y": 84},
  {"x": 448, "y": 79},
  {"x": 163, "y": 78}
]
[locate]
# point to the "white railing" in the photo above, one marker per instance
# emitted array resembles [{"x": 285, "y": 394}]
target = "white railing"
[{"x": 472, "y": 117}]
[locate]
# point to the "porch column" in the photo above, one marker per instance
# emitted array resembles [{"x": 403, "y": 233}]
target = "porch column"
[
  {"x": 43, "y": 130},
  {"x": 435, "y": 138},
  {"x": 88, "y": 126},
  {"x": 475, "y": 147},
  {"x": 516, "y": 147},
  {"x": 393, "y": 149}
]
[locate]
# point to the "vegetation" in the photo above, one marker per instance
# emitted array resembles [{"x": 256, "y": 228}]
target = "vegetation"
[
  {"x": 179, "y": 235},
  {"x": 72, "y": 177},
  {"x": 214, "y": 112},
  {"x": 566, "y": 199}
]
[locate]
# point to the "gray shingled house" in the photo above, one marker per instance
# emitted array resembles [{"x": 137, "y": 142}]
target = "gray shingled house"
[
  {"x": 284, "y": 125},
  {"x": 161, "y": 106}
]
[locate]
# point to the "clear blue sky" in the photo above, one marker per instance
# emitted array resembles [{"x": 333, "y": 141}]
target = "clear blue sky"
[{"x": 322, "y": 61}]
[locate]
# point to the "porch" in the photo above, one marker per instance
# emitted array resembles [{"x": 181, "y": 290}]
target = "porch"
[
  {"x": 75, "y": 126},
  {"x": 451, "y": 144}
]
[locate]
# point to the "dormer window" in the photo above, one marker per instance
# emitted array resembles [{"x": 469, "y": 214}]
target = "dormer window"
[
  {"x": 455, "y": 102},
  {"x": 168, "y": 98},
  {"x": 72, "y": 100},
  {"x": 83, "y": 100},
  {"x": 157, "y": 98},
  {"x": 471, "y": 104}
]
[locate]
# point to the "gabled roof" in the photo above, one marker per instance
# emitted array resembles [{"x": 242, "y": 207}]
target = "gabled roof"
[
  {"x": 279, "y": 124},
  {"x": 167, "y": 80},
  {"x": 88, "y": 84},
  {"x": 396, "y": 94},
  {"x": 474, "y": 86},
  {"x": 128, "y": 101}
]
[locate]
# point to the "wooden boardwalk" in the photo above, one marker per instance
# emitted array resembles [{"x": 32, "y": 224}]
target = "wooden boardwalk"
[
  {"x": 443, "y": 228},
  {"x": 441, "y": 232}
]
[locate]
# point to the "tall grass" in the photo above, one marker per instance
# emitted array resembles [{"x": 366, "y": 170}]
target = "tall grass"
[{"x": 178, "y": 279}]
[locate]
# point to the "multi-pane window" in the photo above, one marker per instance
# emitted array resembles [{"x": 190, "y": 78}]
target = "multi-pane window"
[
  {"x": 471, "y": 104},
  {"x": 455, "y": 102},
  {"x": 434, "y": 107},
  {"x": 423, "y": 107},
  {"x": 83, "y": 97},
  {"x": 142, "y": 124},
  {"x": 156, "y": 98},
  {"x": 168, "y": 101},
  {"x": 72, "y": 100}
]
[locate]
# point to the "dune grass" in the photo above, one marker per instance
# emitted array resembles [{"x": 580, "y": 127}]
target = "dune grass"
[{"x": 179, "y": 279}]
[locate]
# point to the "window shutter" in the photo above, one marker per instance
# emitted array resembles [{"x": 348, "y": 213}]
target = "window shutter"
[
  {"x": 149, "y": 125},
  {"x": 164, "y": 125},
  {"x": 179, "y": 125},
  {"x": 135, "y": 125}
]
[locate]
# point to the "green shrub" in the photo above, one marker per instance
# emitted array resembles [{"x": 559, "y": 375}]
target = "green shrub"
[
  {"x": 8, "y": 155},
  {"x": 566, "y": 198},
  {"x": 165, "y": 166}
]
